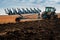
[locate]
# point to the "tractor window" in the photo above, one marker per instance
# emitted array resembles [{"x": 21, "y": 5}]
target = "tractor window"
[
  {"x": 46, "y": 9},
  {"x": 52, "y": 10}
]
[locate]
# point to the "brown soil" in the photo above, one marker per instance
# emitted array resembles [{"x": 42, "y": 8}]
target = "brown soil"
[
  {"x": 58, "y": 15},
  {"x": 35, "y": 30},
  {"x": 11, "y": 18}
]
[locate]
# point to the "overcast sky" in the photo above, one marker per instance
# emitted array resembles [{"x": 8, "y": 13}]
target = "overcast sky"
[{"x": 28, "y": 4}]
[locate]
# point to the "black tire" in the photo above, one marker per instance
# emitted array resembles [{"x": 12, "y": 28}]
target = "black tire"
[
  {"x": 17, "y": 19},
  {"x": 56, "y": 16}
]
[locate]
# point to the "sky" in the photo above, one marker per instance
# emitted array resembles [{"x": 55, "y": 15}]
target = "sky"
[{"x": 28, "y": 4}]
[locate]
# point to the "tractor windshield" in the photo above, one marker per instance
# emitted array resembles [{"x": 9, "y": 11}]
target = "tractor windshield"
[
  {"x": 52, "y": 10},
  {"x": 49, "y": 9},
  {"x": 46, "y": 9}
]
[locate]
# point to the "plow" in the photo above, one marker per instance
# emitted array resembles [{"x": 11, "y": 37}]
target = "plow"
[{"x": 30, "y": 14}]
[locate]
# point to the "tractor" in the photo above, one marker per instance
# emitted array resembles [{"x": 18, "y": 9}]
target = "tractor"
[{"x": 49, "y": 13}]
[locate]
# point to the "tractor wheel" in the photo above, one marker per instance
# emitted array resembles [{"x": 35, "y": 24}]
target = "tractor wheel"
[
  {"x": 56, "y": 16},
  {"x": 44, "y": 16},
  {"x": 18, "y": 19},
  {"x": 48, "y": 16},
  {"x": 53, "y": 16}
]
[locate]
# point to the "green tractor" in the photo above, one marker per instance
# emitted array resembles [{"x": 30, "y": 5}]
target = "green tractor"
[{"x": 49, "y": 13}]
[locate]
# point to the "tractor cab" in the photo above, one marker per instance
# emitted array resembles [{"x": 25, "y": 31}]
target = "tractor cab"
[
  {"x": 49, "y": 13},
  {"x": 50, "y": 9}
]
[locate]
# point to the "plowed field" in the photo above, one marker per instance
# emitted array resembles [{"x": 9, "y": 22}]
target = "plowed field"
[{"x": 34, "y": 30}]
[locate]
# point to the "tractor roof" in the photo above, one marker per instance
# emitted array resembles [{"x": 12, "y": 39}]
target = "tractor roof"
[{"x": 50, "y": 7}]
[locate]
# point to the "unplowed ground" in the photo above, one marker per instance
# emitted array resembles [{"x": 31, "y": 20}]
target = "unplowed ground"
[{"x": 35, "y": 30}]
